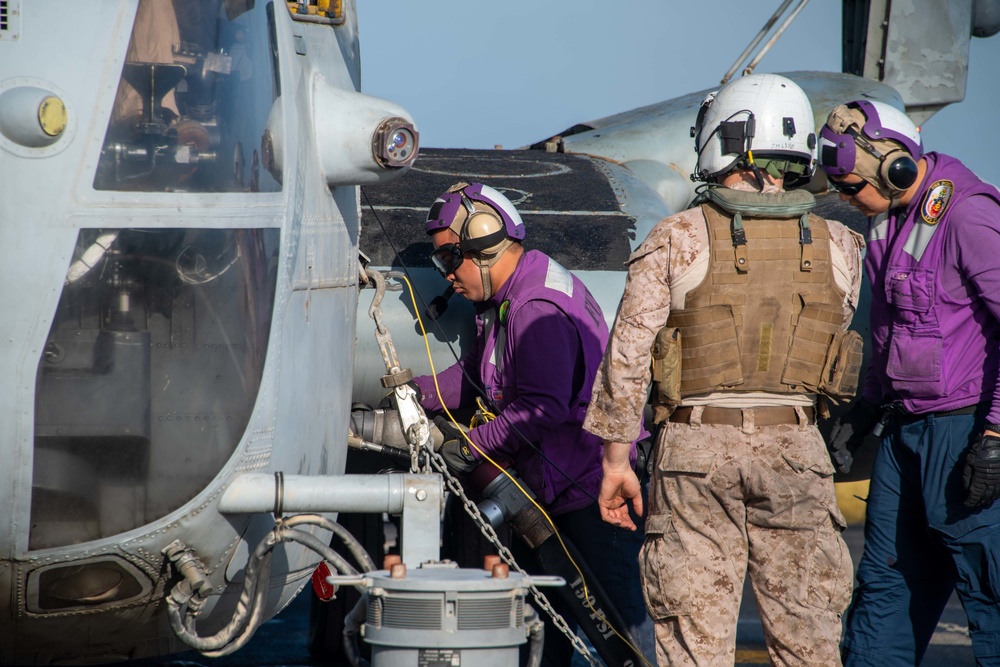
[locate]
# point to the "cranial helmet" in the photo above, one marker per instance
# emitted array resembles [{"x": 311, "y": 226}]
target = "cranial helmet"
[
  {"x": 874, "y": 140},
  {"x": 481, "y": 217},
  {"x": 485, "y": 222},
  {"x": 763, "y": 117}
]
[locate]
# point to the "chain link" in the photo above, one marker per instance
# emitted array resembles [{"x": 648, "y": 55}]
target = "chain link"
[
  {"x": 487, "y": 530},
  {"x": 434, "y": 459}
]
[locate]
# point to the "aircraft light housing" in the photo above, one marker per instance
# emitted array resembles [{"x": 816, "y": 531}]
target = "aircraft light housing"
[{"x": 395, "y": 143}]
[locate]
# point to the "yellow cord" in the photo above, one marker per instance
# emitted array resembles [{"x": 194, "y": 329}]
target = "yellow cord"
[
  {"x": 490, "y": 416},
  {"x": 482, "y": 416}
]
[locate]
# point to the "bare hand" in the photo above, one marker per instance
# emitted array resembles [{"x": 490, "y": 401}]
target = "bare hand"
[{"x": 619, "y": 486}]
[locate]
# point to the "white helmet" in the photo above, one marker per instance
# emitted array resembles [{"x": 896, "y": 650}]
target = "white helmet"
[{"x": 765, "y": 115}]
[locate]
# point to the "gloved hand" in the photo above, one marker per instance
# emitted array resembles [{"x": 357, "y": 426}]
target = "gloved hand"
[
  {"x": 982, "y": 471},
  {"x": 388, "y": 401},
  {"x": 455, "y": 449},
  {"x": 849, "y": 431}
]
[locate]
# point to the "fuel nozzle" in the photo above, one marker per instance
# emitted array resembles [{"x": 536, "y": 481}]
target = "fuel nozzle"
[
  {"x": 385, "y": 426},
  {"x": 380, "y": 430}
]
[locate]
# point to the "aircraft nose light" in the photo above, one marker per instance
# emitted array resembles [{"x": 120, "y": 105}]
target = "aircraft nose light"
[
  {"x": 359, "y": 139},
  {"x": 395, "y": 143},
  {"x": 32, "y": 117}
]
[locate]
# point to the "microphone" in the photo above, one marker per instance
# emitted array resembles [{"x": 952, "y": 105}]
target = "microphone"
[{"x": 439, "y": 304}]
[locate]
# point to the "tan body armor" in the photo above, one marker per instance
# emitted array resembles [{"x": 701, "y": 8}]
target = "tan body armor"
[{"x": 768, "y": 315}]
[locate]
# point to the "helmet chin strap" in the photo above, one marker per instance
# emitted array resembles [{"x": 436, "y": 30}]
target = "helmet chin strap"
[
  {"x": 484, "y": 271},
  {"x": 485, "y": 263}
]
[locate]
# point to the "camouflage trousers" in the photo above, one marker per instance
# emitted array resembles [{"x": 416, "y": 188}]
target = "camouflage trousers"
[{"x": 724, "y": 502}]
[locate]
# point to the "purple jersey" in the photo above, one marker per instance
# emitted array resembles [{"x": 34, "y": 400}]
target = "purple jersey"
[
  {"x": 536, "y": 364},
  {"x": 935, "y": 313}
]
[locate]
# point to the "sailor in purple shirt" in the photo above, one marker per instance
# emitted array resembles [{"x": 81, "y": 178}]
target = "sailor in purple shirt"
[
  {"x": 540, "y": 337},
  {"x": 933, "y": 259}
]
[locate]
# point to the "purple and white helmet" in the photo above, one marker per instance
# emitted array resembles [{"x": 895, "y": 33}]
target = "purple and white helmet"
[
  {"x": 445, "y": 209},
  {"x": 883, "y": 122}
]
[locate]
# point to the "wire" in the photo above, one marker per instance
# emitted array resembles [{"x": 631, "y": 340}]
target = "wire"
[
  {"x": 413, "y": 300},
  {"x": 472, "y": 381},
  {"x": 586, "y": 591},
  {"x": 482, "y": 416}
]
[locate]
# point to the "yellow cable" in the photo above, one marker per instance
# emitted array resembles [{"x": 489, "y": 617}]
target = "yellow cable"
[
  {"x": 482, "y": 416},
  {"x": 437, "y": 389}
]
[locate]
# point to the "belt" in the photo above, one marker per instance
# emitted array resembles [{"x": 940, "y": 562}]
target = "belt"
[
  {"x": 769, "y": 416},
  {"x": 897, "y": 410}
]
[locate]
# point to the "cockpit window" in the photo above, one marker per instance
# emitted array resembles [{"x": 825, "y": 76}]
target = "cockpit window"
[
  {"x": 197, "y": 87},
  {"x": 149, "y": 375}
]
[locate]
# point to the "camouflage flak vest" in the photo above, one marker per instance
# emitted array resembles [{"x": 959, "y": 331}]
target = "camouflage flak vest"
[{"x": 768, "y": 315}]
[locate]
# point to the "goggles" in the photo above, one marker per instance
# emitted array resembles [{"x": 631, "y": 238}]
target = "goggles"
[
  {"x": 849, "y": 189},
  {"x": 447, "y": 258}
]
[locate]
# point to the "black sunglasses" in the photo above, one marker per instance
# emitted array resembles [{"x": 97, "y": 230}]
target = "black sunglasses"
[
  {"x": 447, "y": 258},
  {"x": 849, "y": 189}
]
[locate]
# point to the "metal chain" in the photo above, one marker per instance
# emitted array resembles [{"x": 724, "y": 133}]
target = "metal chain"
[
  {"x": 415, "y": 466},
  {"x": 413, "y": 418},
  {"x": 487, "y": 530},
  {"x": 388, "y": 351}
]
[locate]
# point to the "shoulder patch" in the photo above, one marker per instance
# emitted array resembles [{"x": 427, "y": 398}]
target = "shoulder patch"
[
  {"x": 558, "y": 278},
  {"x": 936, "y": 201}
]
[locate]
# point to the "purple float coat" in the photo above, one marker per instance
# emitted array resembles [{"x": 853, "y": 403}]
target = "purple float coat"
[
  {"x": 935, "y": 313},
  {"x": 537, "y": 369}
]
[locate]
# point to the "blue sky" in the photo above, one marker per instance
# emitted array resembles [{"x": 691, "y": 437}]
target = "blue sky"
[{"x": 478, "y": 74}]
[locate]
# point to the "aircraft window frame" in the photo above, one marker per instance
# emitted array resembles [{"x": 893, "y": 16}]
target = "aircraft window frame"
[
  {"x": 197, "y": 93},
  {"x": 150, "y": 375}
]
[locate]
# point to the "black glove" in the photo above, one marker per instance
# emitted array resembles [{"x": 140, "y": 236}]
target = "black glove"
[
  {"x": 388, "y": 401},
  {"x": 849, "y": 431},
  {"x": 455, "y": 449},
  {"x": 982, "y": 471}
]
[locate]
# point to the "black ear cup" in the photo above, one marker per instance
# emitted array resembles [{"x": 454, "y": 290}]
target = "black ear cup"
[{"x": 897, "y": 170}]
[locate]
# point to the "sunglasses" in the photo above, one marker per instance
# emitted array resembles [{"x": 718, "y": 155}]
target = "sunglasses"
[
  {"x": 849, "y": 189},
  {"x": 447, "y": 258}
]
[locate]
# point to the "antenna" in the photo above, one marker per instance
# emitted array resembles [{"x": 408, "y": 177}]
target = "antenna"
[{"x": 760, "y": 35}]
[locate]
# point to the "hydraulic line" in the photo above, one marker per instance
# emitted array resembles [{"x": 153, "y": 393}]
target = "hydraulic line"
[
  {"x": 188, "y": 597},
  {"x": 352, "y": 544}
]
